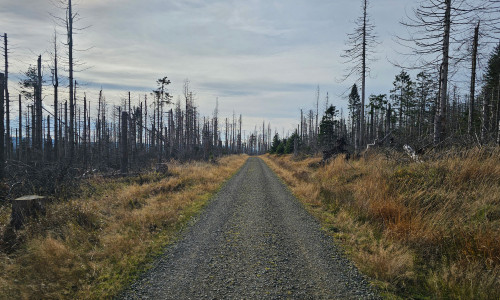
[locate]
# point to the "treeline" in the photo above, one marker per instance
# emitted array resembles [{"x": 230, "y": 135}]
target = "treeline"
[
  {"x": 52, "y": 142},
  {"x": 428, "y": 110},
  {"x": 405, "y": 115}
]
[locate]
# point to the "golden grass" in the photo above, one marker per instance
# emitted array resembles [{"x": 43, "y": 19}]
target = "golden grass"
[
  {"x": 91, "y": 247},
  {"x": 428, "y": 229}
]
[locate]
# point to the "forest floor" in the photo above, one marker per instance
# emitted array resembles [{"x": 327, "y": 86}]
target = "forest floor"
[
  {"x": 254, "y": 240},
  {"x": 421, "y": 230},
  {"x": 93, "y": 245}
]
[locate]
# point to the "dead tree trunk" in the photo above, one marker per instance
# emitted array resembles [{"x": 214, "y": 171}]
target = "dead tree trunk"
[
  {"x": 363, "y": 78},
  {"x": 55, "y": 83},
  {"x": 124, "y": 143},
  {"x": 20, "y": 155},
  {"x": 7, "y": 99},
  {"x": 66, "y": 133},
  {"x": 440, "y": 119},
  {"x": 473, "y": 80},
  {"x": 38, "y": 111},
  {"x": 85, "y": 131},
  {"x": 71, "y": 138},
  {"x": 2, "y": 129}
]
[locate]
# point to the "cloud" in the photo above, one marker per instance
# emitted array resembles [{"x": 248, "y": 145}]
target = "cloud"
[{"x": 262, "y": 58}]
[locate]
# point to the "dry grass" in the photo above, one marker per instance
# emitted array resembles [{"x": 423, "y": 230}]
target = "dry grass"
[
  {"x": 90, "y": 247},
  {"x": 428, "y": 229}
]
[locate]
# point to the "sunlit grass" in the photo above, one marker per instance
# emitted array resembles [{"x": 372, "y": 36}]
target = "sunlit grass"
[
  {"x": 92, "y": 246},
  {"x": 428, "y": 229}
]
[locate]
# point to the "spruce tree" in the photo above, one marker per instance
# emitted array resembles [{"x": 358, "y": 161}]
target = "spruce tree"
[
  {"x": 354, "y": 113},
  {"x": 327, "y": 126}
]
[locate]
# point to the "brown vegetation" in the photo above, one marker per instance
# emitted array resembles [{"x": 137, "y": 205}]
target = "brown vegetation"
[
  {"x": 429, "y": 229},
  {"x": 91, "y": 246}
]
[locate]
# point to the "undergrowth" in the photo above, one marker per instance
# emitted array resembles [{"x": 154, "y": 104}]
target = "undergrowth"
[
  {"x": 92, "y": 246},
  {"x": 420, "y": 230}
]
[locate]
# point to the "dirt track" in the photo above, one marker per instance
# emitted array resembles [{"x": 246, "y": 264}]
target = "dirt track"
[{"x": 253, "y": 241}]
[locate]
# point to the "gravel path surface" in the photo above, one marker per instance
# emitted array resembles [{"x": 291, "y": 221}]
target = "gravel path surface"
[{"x": 254, "y": 240}]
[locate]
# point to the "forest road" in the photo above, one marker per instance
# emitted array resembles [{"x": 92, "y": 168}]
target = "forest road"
[{"x": 254, "y": 240}]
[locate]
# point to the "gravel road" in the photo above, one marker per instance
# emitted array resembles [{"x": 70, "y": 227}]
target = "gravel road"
[{"x": 254, "y": 240}]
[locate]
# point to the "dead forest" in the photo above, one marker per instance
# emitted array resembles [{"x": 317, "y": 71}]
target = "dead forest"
[{"x": 51, "y": 141}]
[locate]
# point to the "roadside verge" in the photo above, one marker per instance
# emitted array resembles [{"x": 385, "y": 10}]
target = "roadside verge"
[{"x": 92, "y": 246}]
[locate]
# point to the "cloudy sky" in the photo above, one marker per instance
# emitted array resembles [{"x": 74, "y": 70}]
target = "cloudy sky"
[{"x": 261, "y": 58}]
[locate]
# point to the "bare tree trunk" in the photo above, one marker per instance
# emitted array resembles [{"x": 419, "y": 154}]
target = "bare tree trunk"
[
  {"x": 124, "y": 143},
  {"x": 56, "y": 85},
  {"x": 146, "y": 121},
  {"x": 239, "y": 137},
  {"x": 440, "y": 121},
  {"x": 61, "y": 141},
  {"x": 317, "y": 113},
  {"x": 363, "y": 80},
  {"x": 7, "y": 98},
  {"x": 388, "y": 121},
  {"x": 71, "y": 138},
  {"x": 38, "y": 106},
  {"x": 2, "y": 129},
  {"x": 48, "y": 143},
  {"x": 66, "y": 130},
  {"x": 85, "y": 131},
  {"x": 473, "y": 80},
  {"x": 20, "y": 155},
  {"x": 98, "y": 128}
]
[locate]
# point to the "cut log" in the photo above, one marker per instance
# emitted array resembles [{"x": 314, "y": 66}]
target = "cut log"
[{"x": 25, "y": 207}]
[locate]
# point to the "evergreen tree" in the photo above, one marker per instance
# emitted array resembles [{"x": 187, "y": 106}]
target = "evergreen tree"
[
  {"x": 425, "y": 94},
  {"x": 402, "y": 97},
  {"x": 29, "y": 82},
  {"x": 290, "y": 143},
  {"x": 354, "y": 111},
  {"x": 327, "y": 134},
  {"x": 281, "y": 147},
  {"x": 491, "y": 97},
  {"x": 275, "y": 144},
  {"x": 492, "y": 74},
  {"x": 377, "y": 106}
]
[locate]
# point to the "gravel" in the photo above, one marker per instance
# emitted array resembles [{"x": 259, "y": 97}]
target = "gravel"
[{"x": 254, "y": 240}]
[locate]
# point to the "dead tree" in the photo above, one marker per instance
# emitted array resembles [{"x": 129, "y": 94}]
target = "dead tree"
[
  {"x": 55, "y": 83},
  {"x": 433, "y": 27},
  {"x": 473, "y": 80},
  {"x": 38, "y": 108},
  {"x": 85, "y": 130},
  {"x": 20, "y": 145},
  {"x": 361, "y": 43},
  {"x": 7, "y": 98},
  {"x": 2, "y": 129},
  {"x": 69, "y": 24},
  {"x": 124, "y": 143}
]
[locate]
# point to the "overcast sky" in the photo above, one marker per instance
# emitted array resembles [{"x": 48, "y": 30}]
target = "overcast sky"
[{"x": 261, "y": 58}]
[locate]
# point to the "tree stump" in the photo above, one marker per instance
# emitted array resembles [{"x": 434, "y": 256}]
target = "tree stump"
[
  {"x": 162, "y": 168},
  {"x": 25, "y": 207}
]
